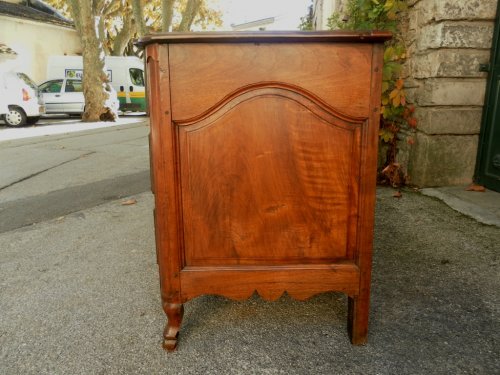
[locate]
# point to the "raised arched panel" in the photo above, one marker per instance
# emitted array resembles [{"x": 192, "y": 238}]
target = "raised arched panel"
[{"x": 267, "y": 176}]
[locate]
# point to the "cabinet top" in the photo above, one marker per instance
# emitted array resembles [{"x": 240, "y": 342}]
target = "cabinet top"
[{"x": 339, "y": 36}]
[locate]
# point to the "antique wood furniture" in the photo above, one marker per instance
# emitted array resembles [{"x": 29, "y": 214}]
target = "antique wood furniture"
[{"x": 263, "y": 162}]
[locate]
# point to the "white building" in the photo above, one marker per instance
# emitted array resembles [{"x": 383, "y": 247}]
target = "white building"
[{"x": 34, "y": 31}]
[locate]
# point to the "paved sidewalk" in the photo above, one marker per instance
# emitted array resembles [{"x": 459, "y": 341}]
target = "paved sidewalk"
[
  {"x": 481, "y": 206},
  {"x": 62, "y": 125},
  {"x": 79, "y": 295}
]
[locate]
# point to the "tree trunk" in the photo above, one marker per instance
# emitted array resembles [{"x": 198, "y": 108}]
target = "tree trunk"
[
  {"x": 167, "y": 12},
  {"x": 189, "y": 14},
  {"x": 94, "y": 77}
]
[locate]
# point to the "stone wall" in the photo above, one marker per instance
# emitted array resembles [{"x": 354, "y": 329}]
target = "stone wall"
[{"x": 447, "y": 41}]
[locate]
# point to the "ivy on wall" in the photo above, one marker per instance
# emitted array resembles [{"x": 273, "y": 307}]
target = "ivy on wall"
[{"x": 397, "y": 113}]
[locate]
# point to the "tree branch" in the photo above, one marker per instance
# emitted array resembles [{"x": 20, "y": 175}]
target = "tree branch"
[
  {"x": 74, "y": 9},
  {"x": 167, "y": 12},
  {"x": 189, "y": 14}
]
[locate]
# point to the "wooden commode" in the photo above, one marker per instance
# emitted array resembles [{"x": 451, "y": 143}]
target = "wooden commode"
[{"x": 263, "y": 162}]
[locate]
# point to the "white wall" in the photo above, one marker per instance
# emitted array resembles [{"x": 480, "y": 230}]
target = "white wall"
[{"x": 35, "y": 41}]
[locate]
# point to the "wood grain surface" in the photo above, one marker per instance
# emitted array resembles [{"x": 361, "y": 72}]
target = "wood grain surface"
[
  {"x": 202, "y": 74},
  {"x": 263, "y": 166}
]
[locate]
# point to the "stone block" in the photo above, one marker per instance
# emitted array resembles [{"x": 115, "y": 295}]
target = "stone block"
[
  {"x": 449, "y": 63},
  {"x": 440, "y": 10},
  {"x": 453, "y": 92},
  {"x": 460, "y": 121},
  {"x": 442, "y": 160},
  {"x": 455, "y": 35}
]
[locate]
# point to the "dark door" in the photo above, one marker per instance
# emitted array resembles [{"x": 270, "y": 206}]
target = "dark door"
[{"x": 488, "y": 159}]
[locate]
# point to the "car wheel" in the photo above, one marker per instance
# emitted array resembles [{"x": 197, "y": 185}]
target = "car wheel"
[
  {"x": 33, "y": 120},
  {"x": 15, "y": 117}
]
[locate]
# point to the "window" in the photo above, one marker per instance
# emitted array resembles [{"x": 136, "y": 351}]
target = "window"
[
  {"x": 73, "y": 85},
  {"x": 137, "y": 77},
  {"x": 51, "y": 86}
]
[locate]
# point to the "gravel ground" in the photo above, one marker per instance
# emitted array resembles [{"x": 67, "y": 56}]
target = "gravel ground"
[{"x": 80, "y": 295}]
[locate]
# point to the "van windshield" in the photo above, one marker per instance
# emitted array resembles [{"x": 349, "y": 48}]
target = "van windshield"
[
  {"x": 137, "y": 77},
  {"x": 28, "y": 81}
]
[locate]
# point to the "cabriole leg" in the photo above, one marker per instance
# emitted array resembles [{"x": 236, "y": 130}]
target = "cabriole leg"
[{"x": 174, "y": 313}]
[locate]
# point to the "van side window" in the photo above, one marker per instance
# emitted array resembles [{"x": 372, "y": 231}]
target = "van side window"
[
  {"x": 137, "y": 76},
  {"x": 73, "y": 85},
  {"x": 51, "y": 86}
]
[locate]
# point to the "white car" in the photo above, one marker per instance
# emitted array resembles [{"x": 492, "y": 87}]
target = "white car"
[
  {"x": 66, "y": 96},
  {"x": 20, "y": 102}
]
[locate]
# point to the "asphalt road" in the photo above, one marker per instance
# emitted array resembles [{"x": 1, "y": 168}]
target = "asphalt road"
[{"x": 52, "y": 175}]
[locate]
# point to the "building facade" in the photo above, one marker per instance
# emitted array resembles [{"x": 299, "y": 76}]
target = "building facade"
[{"x": 34, "y": 35}]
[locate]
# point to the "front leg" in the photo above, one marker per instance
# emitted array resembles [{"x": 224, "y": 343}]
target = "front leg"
[{"x": 174, "y": 312}]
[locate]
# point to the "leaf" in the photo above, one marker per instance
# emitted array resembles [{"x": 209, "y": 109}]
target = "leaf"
[
  {"x": 386, "y": 112},
  {"x": 129, "y": 202},
  {"x": 397, "y": 194},
  {"x": 391, "y": 15},
  {"x": 385, "y": 86},
  {"x": 396, "y": 101},
  {"x": 399, "y": 84},
  {"x": 387, "y": 72},
  {"x": 389, "y": 54},
  {"x": 475, "y": 187},
  {"x": 388, "y": 5},
  {"x": 386, "y": 135}
]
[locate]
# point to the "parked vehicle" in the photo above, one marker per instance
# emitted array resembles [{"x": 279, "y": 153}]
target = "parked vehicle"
[
  {"x": 20, "y": 99},
  {"x": 125, "y": 74},
  {"x": 4, "y": 107},
  {"x": 66, "y": 96}
]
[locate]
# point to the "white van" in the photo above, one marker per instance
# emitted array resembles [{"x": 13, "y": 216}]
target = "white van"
[
  {"x": 20, "y": 94},
  {"x": 125, "y": 74}
]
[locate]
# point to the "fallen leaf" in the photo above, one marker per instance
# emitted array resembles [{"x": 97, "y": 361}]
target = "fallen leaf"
[
  {"x": 475, "y": 187},
  {"x": 397, "y": 194},
  {"x": 129, "y": 202}
]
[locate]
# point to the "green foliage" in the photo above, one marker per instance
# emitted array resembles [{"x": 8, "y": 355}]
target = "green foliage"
[
  {"x": 396, "y": 112},
  {"x": 370, "y": 14},
  {"x": 306, "y": 22}
]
